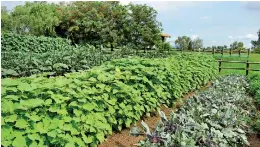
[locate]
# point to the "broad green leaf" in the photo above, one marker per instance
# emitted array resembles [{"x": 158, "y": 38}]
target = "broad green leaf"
[
  {"x": 19, "y": 141},
  {"x": 21, "y": 123},
  {"x": 11, "y": 118},
  {"x": 88, "y": 106}
]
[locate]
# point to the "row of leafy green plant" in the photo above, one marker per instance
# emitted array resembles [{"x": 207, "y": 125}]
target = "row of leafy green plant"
[
  {"x": 11, "y": 42},
  {"x": 82, "y": 108},
  {"x": 26, "y": 55},
  {"x": 254, "y": 90},
  {"x": 215, "y": 117}
]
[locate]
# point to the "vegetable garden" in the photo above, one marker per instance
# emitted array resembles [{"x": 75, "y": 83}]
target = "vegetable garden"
[{"x": 79, "y": 92}]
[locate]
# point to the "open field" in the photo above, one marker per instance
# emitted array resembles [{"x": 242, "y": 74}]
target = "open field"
[{"x": 252, "y": 58}]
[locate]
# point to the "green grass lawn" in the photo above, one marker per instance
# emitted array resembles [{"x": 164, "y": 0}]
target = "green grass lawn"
[{"x": 244, "y": 57}]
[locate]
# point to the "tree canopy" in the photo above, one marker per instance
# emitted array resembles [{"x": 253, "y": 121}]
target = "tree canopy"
[{"x": 92, "y": 22}]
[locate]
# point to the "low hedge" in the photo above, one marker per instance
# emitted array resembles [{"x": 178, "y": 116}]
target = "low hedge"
[{"x": 82, "y": 108}]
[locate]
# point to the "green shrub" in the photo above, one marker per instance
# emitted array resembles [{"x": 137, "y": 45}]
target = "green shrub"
[{"x": 82, "y": 108}]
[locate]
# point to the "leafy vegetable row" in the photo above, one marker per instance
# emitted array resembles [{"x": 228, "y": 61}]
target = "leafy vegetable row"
[
  {"x": 216, "y": 117},
  {"x": 27, "y": 43},
  {"x": 82, "y": 108},
  {"x": 254, "y": 87},
  {"x": 254, "y": 90},
  {"x": 27, "y": 55}
]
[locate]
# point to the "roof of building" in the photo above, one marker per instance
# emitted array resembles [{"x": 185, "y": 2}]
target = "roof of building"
[{"x": 165, "y": 35}]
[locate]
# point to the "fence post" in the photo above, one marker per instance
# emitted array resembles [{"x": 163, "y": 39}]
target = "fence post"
[
  {"x": 247, "y": 67},
  {"x": 230, "y": 52},
  {"x": 213, "y": 51},
  {"x": 222, "y": 50},
  {"x": 219, "y": 65},
  {"x": 248, "y": 52},
  {"x": 239, "y": 52}
]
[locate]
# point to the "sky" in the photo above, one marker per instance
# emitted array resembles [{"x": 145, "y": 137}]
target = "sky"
[{"x": 216, "y": 22}]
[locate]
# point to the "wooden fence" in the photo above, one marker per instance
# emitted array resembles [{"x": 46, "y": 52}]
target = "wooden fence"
[
  {"x": 247, "y": 64},
  {"x": 222, "y": 51}
]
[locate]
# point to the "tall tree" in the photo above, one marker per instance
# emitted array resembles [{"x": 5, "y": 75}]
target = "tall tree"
[
  {"x": 183, "y": 42},
  {"x": 144, "y": 29},
  {"x": 197, "y": 43},
  {"x": 36, "y": 18},
  {"x": 5, "y": 19},
  {"x": 234, "y": 45},
  {"x": 240, "y": 46},
  {"x": 256, "y": 43}
]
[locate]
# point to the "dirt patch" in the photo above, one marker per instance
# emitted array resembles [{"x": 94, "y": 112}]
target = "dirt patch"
[
  {"x": 254, "y": 140},
  {"x": 123, "y": 139}
]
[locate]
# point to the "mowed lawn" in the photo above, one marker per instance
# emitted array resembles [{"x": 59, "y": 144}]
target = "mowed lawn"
[{"x": 243, "y": 57}]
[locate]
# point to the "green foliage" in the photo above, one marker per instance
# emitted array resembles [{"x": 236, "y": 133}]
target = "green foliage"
[
  {"x": 215, "y": 117},
  {"x": 108, "y": 23},
  {"x": 31, "y": 44},
  {"x": 35, "y": 18},
  {"x": 82, "y": 108},
  {"x": 254, "y": 87},
  {"x": 183, "y": 42}
]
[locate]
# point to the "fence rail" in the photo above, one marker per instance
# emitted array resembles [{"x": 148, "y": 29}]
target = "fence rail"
[
  {"x": 247, "y": 64},
  {"x": 222, "y": 51}
]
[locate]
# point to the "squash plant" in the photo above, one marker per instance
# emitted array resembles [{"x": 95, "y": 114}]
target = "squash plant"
[{"x": 82, "y": 108}]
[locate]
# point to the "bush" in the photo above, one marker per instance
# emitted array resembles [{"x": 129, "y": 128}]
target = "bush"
[
  {"x": 82, "y": 108},
  {"x": 215, "y": 117}
]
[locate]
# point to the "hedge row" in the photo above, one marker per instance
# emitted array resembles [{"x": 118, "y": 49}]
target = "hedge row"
[
  {"x": 28, "y": 43},
  {"x": 82, "y": 108}
]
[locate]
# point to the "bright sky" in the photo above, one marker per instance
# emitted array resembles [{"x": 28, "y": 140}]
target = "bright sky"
[{"x": 217, "y": 23}]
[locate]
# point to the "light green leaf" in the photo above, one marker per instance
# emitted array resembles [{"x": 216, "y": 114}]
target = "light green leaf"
[
  {"x": 89, "y": 106},
  {"x": 19, "y": 141},
  {"x": 21, "y": 123},
  {"x": 11, "y": 118}
]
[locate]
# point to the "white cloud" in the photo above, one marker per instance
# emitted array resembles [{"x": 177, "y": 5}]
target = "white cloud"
[
  {"x": 213, "y": 41},
  {"x": 194, "y": 36},
  {"x": 230, "y": 37},
  {"x": 124, "y": 2},
  {"x": 167, "y": 5},
  {"x": 204, "y": 17},
  {"x": 244, "y": 37},
  {"x": 191, "y": 30}
]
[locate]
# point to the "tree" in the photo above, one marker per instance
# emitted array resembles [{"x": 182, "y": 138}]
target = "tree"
[
  {"x": 256, "y": 43},
  {"x": 197, "y": 43},
  {"x": 144, "y": 29},
  {"x": 234, "y": 45},
  {"x": 240, "y": 46},
  {"x": 36, "y": 18},
  {"x": 183, "y": 42},
  {"x": 225, "y": 46},
  {"x": 5, "y": 19},
  {"x": 108, "y": 23}
]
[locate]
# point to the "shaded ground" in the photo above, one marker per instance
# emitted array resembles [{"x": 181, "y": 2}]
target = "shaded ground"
[
  {"x": 123, "y": 139},
  {"x": 254, "y": 140}
]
